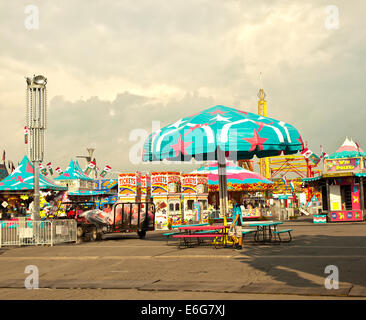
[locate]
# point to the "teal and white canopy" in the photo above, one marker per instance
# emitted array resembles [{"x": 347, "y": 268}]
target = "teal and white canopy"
[
  {"x": 72, "y": 172},
  {"x": 22, "y": 178},
  {"x": 240, "y": 134}
]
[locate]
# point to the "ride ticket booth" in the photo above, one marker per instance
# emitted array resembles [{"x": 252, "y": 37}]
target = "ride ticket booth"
[
  {"x": 342, "y": 184},
  {"x": 194, "y": 197},
  {"x": 129, "y": 187},
  {"x": 165, "y": 191}
]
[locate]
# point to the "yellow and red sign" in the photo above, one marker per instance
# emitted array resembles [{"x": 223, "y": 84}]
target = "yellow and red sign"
[
  {"x": 165, "y": 182},
  {"x": 129, "y": 184}
]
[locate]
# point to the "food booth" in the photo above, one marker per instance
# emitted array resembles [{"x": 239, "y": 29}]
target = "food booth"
[
  {"x": 166, "y": 194},
  {"x": 342, "y": 184}
]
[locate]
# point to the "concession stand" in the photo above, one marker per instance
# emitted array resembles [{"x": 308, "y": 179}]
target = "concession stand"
[
  {"x": 342, "y": 184},
  {"x": 166, "y": 194},
  {"x": 194, "y": 196}
]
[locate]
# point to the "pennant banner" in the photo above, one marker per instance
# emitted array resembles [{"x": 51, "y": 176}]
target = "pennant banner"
[
  {"x": 105, "y": 171},
  {"x": 26, "y": 132},
  {"x": 49, "y": 166},
  {"x": 292, "y": 187},
  {"x": 43, "y": 169},
  {"x": 90, "y": 167},
  {"x": 308, "y": 154}
]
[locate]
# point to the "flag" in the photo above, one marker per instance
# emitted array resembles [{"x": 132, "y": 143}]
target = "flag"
[
  {"x": 59, "y": 171},
  {"x": 284, "y": 179},
  {"x": 4, "y": 156},
  {"x": 49, "y": 166},
  {"x": 306, "y": 152},
  {"x": 292, "y": 186},
  {"x": 26, "y": 132},
  {"x": 12, "y": 166},
  {"x": 89, "y": 168},
  {"x": 324, "y": 155},
  {"x": 43, "y": 169},
  {"x": 105, "y": 171}
]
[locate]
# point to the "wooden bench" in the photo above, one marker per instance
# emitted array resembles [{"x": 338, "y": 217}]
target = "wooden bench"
[
  {"x": 198, "y": 236},
  {"x": 278, "y": 232}
]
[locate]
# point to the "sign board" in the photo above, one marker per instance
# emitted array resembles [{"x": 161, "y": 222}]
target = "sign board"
[
  {"x": 165, "y": 182},
  {"x": 25, "y": 233},
  {"x": 129, "y": 184},
  {"x": 342, "y": 165},
  {"x": 189, "y": 183}
]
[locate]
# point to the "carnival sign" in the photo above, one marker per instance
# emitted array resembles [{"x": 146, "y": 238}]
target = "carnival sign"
[{"x": 340, "y": 165}]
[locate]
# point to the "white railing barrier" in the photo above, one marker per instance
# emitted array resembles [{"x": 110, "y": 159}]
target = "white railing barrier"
[{"x": 50, "y": 232}]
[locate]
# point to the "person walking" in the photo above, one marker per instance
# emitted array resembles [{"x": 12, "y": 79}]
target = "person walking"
[{"x": 235, "y": 230}]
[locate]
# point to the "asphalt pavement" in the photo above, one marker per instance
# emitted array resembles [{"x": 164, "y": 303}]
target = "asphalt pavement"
[{"x": 125, "y": 267}]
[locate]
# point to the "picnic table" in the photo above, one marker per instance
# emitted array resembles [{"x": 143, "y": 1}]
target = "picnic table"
[
  {"x": 172, "y": 233},
  {"x": 189, "y": 233},
  {"x": 267, "y": 231}
]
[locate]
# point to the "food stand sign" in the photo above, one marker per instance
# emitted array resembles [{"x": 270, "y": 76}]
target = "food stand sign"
[{"x": 340, "y": 165}]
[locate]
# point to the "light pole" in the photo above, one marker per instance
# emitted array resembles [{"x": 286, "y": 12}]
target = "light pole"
[{"x": 36, "y": 121}]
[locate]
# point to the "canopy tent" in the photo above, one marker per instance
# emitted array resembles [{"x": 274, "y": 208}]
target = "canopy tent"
[
  {"x": 22, "y": 178},
  {"x": 3, "y": 171},
  {"x": 238, "y": 179},
  {"x": 72, "y": 172},
  {"x": 349, "y": 149}
]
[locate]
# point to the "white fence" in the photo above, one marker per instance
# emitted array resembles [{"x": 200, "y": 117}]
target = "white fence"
[{"x": 22, "y": 232}]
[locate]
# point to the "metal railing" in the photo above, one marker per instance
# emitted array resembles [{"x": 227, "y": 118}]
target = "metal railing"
[{"x": 50, "y": 232}]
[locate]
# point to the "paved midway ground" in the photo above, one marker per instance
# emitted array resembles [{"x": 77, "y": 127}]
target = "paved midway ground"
[{"x": 125, "y": 267}]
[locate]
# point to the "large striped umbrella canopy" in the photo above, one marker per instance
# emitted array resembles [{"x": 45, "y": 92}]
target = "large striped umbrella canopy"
[
  {"x": 219, "y": 132},
  {"x": 238, "y": 179},
  {"x": 240, "y": 134},
  {"x": 22, "y": 178}
]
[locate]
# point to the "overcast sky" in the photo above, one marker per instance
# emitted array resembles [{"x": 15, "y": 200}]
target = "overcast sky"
[{"x": 116, "y": 66}]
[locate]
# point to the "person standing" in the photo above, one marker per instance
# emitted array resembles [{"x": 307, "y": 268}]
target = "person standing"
[
  {"x": 236, "y": 226},
  {"x": 31, "y": 208}
]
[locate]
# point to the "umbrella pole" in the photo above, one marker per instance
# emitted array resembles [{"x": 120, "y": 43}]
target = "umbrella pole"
[{"x": 222, "y": 183}]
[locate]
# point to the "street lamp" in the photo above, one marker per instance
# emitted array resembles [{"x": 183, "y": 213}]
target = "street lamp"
[{"x": 36, "y": 122}]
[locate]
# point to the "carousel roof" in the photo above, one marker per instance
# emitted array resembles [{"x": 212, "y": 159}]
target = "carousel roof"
[
  {"x": 235, "y": 174},
  {"x": 348, "y": 149},
  {"x": 22, "y": 178}
]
